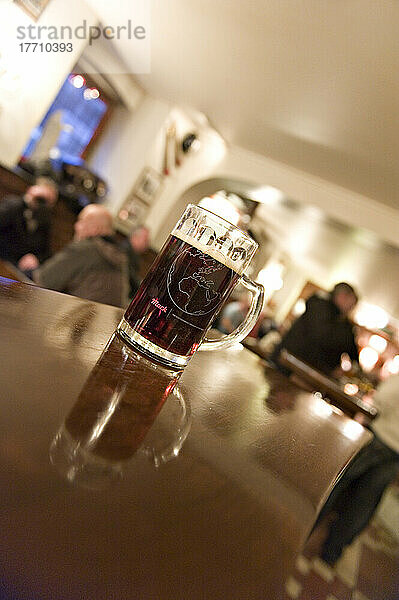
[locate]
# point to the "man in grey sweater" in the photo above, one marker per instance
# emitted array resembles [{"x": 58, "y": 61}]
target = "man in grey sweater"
[{"x": 93, "y": 266}]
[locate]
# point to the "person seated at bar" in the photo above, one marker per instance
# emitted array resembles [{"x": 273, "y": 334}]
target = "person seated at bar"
[
  {"x": 359, "y": 491},
  {"x": 323, "y": 332},
  {"x": 93, "y": 266},
  {"x": 233, "y": 314},
  {"x": 25, "y": 223}
]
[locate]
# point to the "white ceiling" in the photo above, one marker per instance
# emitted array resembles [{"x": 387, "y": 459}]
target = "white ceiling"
[{"x": 312, "y": 83}]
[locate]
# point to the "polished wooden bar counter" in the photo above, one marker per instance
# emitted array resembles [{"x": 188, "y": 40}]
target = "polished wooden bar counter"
[
  {"x": 224, "y": 519},
  {"x": 9, "y": 271}
]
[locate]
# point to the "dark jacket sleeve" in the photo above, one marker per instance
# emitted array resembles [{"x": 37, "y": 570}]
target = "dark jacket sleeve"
[
  {"x": 10, "y": 209},
  {"x": 330, "y": 331},
  {"x": 352, "y": 348},
  {"x": 39, "y": 239},
  {"x": 57, "y": 272}
]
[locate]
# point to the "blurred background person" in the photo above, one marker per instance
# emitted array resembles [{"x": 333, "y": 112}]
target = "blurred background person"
[
  {"x": 360, "y": 489},
  {"x": 25, "y": 223},
  {"x": 323, "y": 332},
  {"x": 233, "y": 314},
  {"x": 265, "y": 329},
  {"x": 93, "y": 266}
]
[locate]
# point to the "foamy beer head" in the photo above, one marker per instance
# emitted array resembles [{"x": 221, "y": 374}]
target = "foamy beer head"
[{"x": 216, "y": 237}]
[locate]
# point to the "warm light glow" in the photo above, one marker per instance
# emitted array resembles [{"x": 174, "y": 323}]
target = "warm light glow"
[
  {"x": 378, "y": 343},
  {"x": 221, "y": 206},
  {"x": 346, "y": 363},
  {"x": 371, "y": 316},
  {"x": 320, "y": 407},
  {"x": 392, "y": 366},
  {"x": 351, "y": 389},
  {"x": 299, "y": 307},
  {"x": 352, "y": 430},
  {"x": 77, "y": 81},
  {"x": 91, "y": 94},
  {"x": 271, "y": 277},
  {"x": 368, "y": 358},
  {"x": 266, "y": 194}
]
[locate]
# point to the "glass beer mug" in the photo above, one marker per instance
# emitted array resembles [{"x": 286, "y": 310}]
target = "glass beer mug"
[{"x": 202, "y": 261}]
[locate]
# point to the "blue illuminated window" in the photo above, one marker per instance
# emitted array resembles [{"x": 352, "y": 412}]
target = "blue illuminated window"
[{"x": 70, "y": 122}]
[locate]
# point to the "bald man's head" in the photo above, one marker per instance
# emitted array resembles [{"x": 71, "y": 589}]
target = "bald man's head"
[{"x": 93, "y": 220}]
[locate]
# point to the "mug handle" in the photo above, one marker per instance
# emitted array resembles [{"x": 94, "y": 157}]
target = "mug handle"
[{"x": 258, "y": 292}]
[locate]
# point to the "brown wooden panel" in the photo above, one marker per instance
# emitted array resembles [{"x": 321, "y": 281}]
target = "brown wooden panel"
[{"x": 11, "y": 183}]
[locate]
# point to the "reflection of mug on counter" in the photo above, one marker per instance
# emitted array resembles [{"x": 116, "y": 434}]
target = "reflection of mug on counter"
[
  {"x": 115, "y": 411},
  {"x": 197, "y": 269}
]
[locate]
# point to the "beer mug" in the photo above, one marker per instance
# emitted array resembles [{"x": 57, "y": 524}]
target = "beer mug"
[{"x": 201, "y": 262}]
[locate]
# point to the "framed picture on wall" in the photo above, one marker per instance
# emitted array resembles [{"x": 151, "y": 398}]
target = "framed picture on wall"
[
  {"x": 33, "y": 8},
  {"x": 148, "y": 185},
  {"x": 132, "y": 214}
]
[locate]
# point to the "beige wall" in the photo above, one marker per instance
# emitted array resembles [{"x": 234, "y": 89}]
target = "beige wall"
[{"x": 127, "y": 145}]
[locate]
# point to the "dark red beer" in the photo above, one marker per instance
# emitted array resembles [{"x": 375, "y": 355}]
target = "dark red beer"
[{"x": 180, "y": 297}]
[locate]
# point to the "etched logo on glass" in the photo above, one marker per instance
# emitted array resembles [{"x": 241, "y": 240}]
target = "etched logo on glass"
[{"x": 198, "y": 276}]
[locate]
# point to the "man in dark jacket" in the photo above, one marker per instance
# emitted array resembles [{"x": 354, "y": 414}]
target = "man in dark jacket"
[
  {"x": 25, "y": 225},
  {"x": 323, "y": 333},
  {"x": 92, "y": 266}
]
